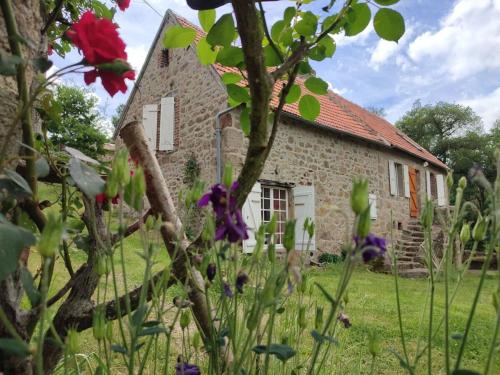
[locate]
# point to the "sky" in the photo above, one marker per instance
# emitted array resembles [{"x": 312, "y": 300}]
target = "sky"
[{"x": 450, "y": 52}]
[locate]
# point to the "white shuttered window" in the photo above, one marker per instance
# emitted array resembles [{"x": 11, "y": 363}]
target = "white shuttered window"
[
  {"x": 150, "y": 122},
  {"x": 252, "y": 215},
  {"x": 441, "y": 197},
  {"x": 303, "y": 199},
  {"x": 167, "y": 124}
]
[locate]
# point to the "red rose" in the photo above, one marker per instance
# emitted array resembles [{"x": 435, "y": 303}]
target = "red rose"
[
  {"x": 123, "y": 4},
  {"x": 100, "y": 198},
  {"x": 111, "y": 81},
  {"x": 50, "y": 49},
  {"x": 98, "y": 39}
]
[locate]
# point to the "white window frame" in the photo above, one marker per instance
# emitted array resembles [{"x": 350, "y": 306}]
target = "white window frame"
[{"x": 279, "y": 231}]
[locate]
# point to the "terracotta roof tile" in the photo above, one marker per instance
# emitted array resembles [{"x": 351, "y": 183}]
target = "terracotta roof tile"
[{"x": 343, "y": 116}]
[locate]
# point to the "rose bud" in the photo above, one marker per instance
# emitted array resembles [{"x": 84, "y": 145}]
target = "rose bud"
[
  {"x": 51, "y": 236},
  {"x": 479, "y": 230},
  {"x": 72, "y": 341},
  {"x": 185, "y": 319},
  {"x": 359, "y": 196},
  {"x": 462, "y": 182},
  {"x": 465, "y": 233},
  {"x": 289, "y": 236},
  {"x": 449, "y": 180},
  {"x": 364, "y": 223}
]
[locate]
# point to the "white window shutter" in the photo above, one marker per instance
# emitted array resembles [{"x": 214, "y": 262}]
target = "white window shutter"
[
  {"x": 440, "y": 190},
  {"x": 406, "y": 180},
  {"x": 167, "y": 123},
  {"x": 428, "y": 184},
  {"x": 251, "y": 212},
  {"x": 150, "y": 122},
  {"x": 304, "y": 207},
  {"x": 393, "y": 185},
  {"x": 372, "y": 199}
]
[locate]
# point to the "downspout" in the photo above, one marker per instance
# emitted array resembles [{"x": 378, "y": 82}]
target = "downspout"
[{"x": 218, "y": 143}]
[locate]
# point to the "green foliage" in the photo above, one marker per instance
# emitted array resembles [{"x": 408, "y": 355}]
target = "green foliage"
[
  {"x": 206, "y": 54},
  {"x": 222, "y": 32},
  {"x": 309, "y": 107},
  {"x": 178, "y": 37},
  {"x": 307, "y": 25},
  {"x": 329, "y": 258},
  {"x": 86, "y": 178},
  {"x": 453, "y": 132},
  {"x": 14, "y": 240},
  {"x": 316, "y": 85},
  {"x": 229, "y": 78},
  {"x": 207, "y": 19},
  {"x": 293, "y": 94},
  {"x": 230, "y": 56},
  {"x": 191, "y": 170},
  {"x": 358, "y": 19},
  {"x": 115, "y": 119},
  {"x": 79, "y": 122}
]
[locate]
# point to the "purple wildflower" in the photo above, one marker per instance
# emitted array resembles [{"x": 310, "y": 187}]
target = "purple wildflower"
[
  {"x": 211, "y": 271},
  {"x": 344, "y": 319},
  {"x": 372, "y": 247},
  {"x": 241, "y": 280},
  {"x": 230, "y": 223},
  {"x": 187, "y": 369},
  {"x": 227, "y": 290}
]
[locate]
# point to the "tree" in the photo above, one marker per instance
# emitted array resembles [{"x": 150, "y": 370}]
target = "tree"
[
  {"x": 115, "y": 119},
  {"x": 379, "y": 111},
  {"x": 453, "y": 132},
  {"x": 433, "y": 125},
  {"x": 78, "y": 125}
]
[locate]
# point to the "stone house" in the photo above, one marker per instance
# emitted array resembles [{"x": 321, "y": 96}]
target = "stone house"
[{"x": 183, "y": 108}]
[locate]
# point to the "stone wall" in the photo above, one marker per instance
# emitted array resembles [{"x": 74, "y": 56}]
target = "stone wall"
[
  {"x": 199, "y": 96},
  {"x": 306, "y": 155}
]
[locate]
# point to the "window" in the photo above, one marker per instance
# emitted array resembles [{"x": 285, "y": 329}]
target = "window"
[
  {"x": 274, "y": 200},
  {"x": 398, "y": 179},
  {"x": 164, "y": 58}
]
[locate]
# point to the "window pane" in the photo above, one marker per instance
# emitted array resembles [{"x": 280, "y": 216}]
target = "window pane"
[
  {"x": 266, "y": 204},
  {"x": 266, "y": 215},
  {"x": 276, "y": 194},
  {"x": 283, "y": 205},
  {"x": 282, "y": 194},
  {"x": 265, "y": 191}
]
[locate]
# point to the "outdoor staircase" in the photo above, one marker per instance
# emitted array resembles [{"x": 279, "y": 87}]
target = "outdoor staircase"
[{"x": 409, "y": 250}]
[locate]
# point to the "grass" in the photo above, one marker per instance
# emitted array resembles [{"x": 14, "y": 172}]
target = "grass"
[{"x": 371, "y": 307}]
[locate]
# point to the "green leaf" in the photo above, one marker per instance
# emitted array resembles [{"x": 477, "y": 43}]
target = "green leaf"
[
  {"x": 14, "y": 240},
  {"x": 362, "y": 15},
  {"x": 118, "y": 349},
  {"x": 205, "y": 53},
  {"x": 309, "y": 107},
  {"x": 9, "y": 63},
  {"x": 80, "y": 155},
  {"x": 271, "y": 58},
  {"x": 150, "y": 331},
  {"x": 15, "y": 347},
  {"x": 42, "y": 168},
  {"x": 230, "y": 56},
  {"x": 238, "y": 94},
  {"x": 465, "y": 372},
  {"x": 289, "y": 13},
  {"x": 316, "y": 85},
  {"x": 222, "y": 32},
  {"x": 307, "y": 25},
  {"x": 293, "y": 94},
  {"x": 245, "y": 121},
  {"x": 389, "y": 24},
  {"x": 317, "y": 53},
  {"x": 319, "y": 338},
  {"x": 304, "y": 67},
  {"x": 102, "y": 11},
  {"x": 29, "y": 286},
  {"x": 207, "y": 19},
  {"x": 277, "y": 29},
  {"x": 386, "y": 2},
  {"x": 325, "y": 293},
  {"x": 228, "y": 78},
  {"x": 18, "y": 180},
  {"x": 178, "y": 37},
  {"x": 86, "y": 178},
  {"x": 329, "y": 45},
  {"x": 282, "y": 352}
]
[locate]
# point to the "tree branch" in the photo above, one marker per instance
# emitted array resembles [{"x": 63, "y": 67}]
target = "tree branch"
[
  {"x": 53, "y": 16},
  {"x": 266, "y": 32},
  {"x": 131, "y": 229}
]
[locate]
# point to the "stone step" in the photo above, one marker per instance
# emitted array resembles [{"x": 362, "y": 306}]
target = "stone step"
[
  {"x": 414, "y": 228},
  {"x": 414, "y": 273},
  {"x": 412, "y": 234},
  {"x": 409, "y": 242},
  {"x": 408, "y": 265},
  {"x": 409, "y": 249}
]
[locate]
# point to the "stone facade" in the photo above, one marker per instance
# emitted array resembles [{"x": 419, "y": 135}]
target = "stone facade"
[
  {"x": 198, "y": 97},
  {"x": 302, "y": 155}
]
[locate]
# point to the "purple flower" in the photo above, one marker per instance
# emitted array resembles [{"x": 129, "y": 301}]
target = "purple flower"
[
  {"x": 230, "y": 223},
  {"x": 227, "y": 290},
  {"x": 187, "y": 369},
  {"x": 344, "y": 319},
  {"x": 241, "y": 280},
  {"x": 372, "y": 247},
  {"x": 211, "y": 271}
]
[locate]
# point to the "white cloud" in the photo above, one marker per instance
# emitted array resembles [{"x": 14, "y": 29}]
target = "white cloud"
[
  {"x": 136, "y": 56},
  {"x": 360, "y": 39},
  {"x": 486, "y": 106},
  {"x": 384, "y": 49},
  {"x": 467, "y": 42}
]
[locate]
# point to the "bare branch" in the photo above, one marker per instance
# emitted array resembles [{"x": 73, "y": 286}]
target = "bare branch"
[
  {"x": 266, "y": 32},
  {"x": 131, "y": 229}
]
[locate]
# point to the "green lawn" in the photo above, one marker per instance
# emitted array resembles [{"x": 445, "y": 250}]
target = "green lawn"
[{"x": 372, "y": 306}]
